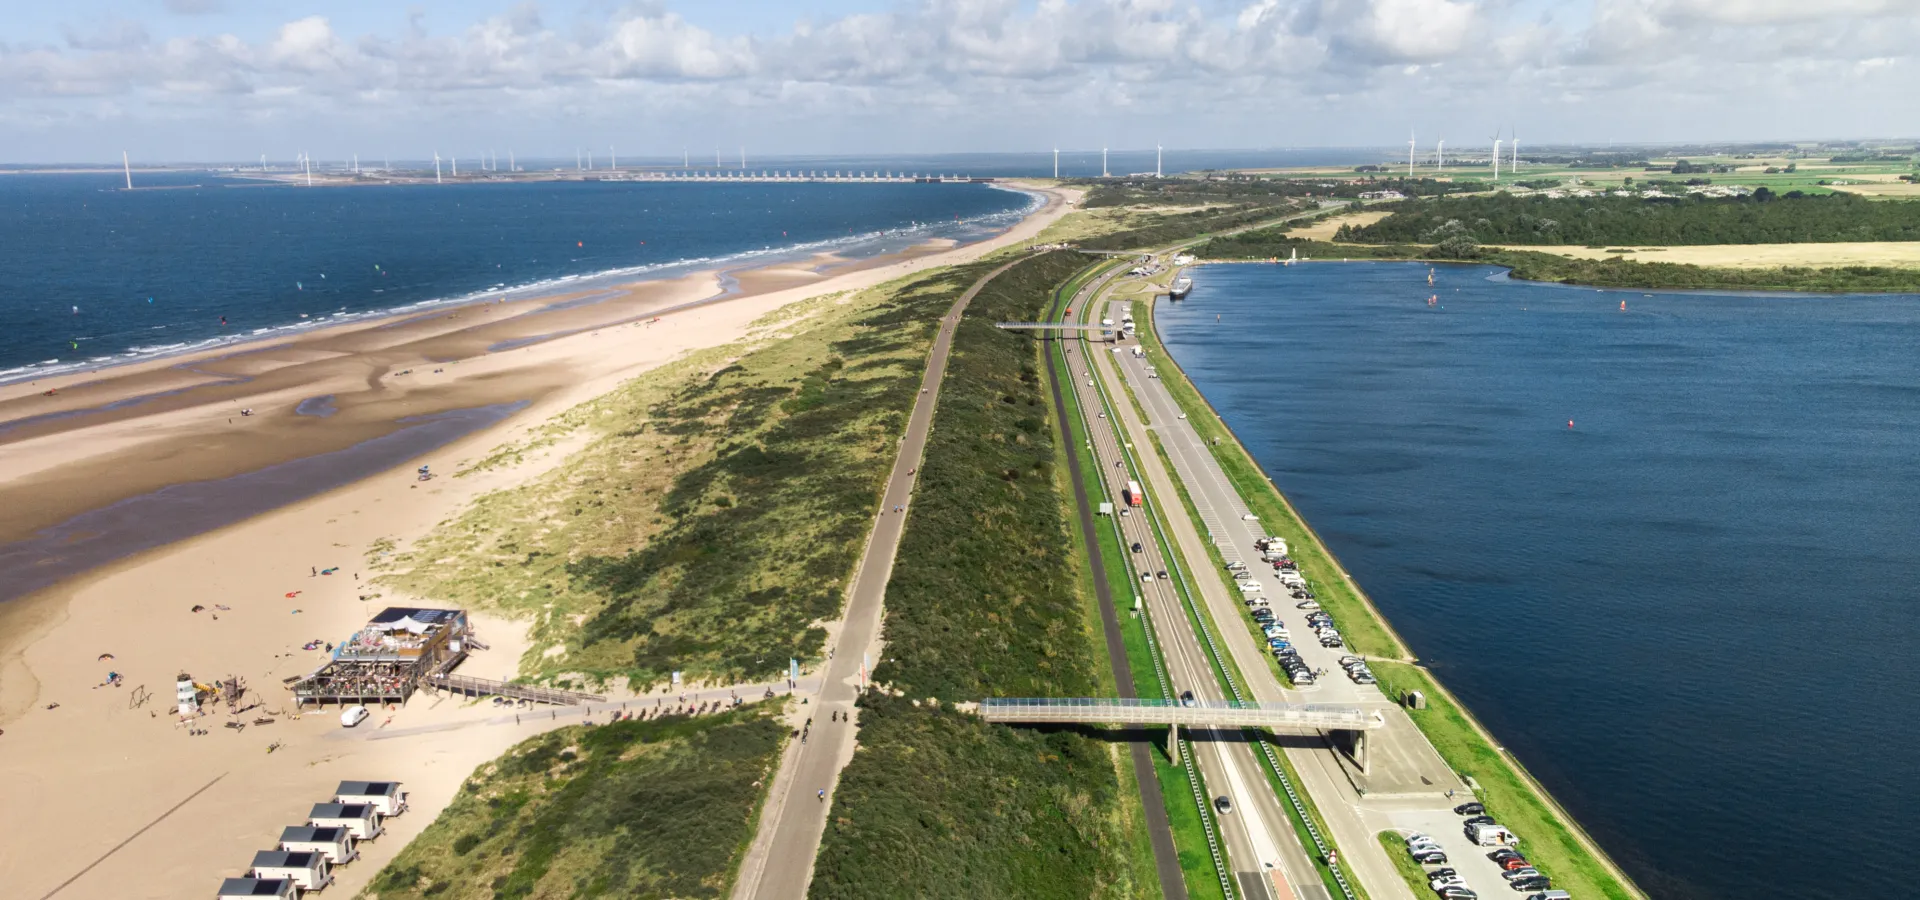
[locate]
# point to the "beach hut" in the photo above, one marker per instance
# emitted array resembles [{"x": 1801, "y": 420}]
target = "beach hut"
[
  {"x": 359, "y": 819},
  {"x": 252, "y": 888},
  {"x": 385, "y": 796},
  {"x": 308, "y": 870},
  {"x": 334, "y": 843}
]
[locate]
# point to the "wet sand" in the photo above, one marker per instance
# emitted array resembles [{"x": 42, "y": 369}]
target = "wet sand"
[{"x": 104, "y": 765}]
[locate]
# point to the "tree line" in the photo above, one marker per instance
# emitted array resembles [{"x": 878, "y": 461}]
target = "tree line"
[{"x": 1763, "y": 218}]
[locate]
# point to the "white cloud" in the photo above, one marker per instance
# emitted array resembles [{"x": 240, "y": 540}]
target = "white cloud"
[{"x": 991, "y": 67}]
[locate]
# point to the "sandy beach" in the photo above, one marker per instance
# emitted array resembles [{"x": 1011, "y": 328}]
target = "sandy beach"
[{"x": 125, "y": 800}]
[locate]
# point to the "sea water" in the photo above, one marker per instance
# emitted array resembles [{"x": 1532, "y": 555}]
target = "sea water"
[
  {"x": 1669, "y": 555},
  {"x": 91, "y": 275}
]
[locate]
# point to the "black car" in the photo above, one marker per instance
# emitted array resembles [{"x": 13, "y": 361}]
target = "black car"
[
  {"x": 1430, "y": 858},
  {"x": 1480, "y": 820},
  {"x": 1531, "y": 884},
  {"x": 1503, "y": 854},
  {"x": 1136, "y": 546},
  {"x": 1186, "y": 698},
  {"x": 1469, "y": 809},
  {"x": 1162, "y": 575}
]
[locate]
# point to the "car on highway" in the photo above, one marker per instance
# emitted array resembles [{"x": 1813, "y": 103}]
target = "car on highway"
[
  {"x": 1146, "y": 576},
  {"x": 1223, "y": 804},
  {"x": 1162, "y": 575},
  {"x": 1183, "y": 415},
  {"x": 1103, "y": 415},
  {"x": 1186, "y": 698},
  {"x": 1136, "y": 546}
]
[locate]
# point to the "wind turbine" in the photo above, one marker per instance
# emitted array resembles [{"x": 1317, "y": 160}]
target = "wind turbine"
[
  {"x": 511, "y": 165},
  {"x": 1157, "y": 152},
  {"x": 1515, "y": 166},
  {"x": 1496, "y": 155},
  {"x": 1440, "y": 155},
  {"x": 128, "y": 166},
  {"x": 1409, "y": 156},
  {"x": 1056, "y": 162},
  {"x": 1103, "y": 162},
  {"x": 613, "y": 159},
  {"x": 743, "y": 156},
  {"x": 306, "y": 164},
  {"x": 436, "y": 167},
  {"x": 455, "y": 161}
]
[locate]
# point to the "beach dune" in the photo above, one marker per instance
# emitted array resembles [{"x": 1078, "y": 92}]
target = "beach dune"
[{"x": 107, "y": 793}]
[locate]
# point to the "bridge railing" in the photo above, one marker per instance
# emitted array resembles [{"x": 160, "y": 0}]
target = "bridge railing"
[{"x": 1117, "y": 710}]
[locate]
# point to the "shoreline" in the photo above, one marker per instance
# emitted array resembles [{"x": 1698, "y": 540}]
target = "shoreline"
[
  {"x": 80, "y": 757},
  {"x": 1408, "y": 657},
  {"x": 563, "y": 288}
]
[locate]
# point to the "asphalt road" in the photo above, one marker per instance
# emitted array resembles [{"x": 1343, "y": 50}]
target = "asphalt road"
[
  {"x": 1257, "y": 834},
  {"x": 779, "y": 863},
  {"x": 1407, "y": 783},
  {"x": 1166, "y": 857}
]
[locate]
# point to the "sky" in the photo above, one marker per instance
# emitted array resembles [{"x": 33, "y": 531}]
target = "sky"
[{"x": 211, "y": 80}]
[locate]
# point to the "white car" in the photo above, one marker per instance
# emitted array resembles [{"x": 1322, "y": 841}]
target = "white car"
[
  {"x": 1183, "y": 415},
  {"x": 353, "y": 715}
]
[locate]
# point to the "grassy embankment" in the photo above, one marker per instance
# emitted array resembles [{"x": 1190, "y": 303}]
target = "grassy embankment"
[
  {"x": 1455, "y": 229},
  {"x": 717, "y": 509},
  {"x": 1188, "y": 815},
  {"x": 937, "y": 803},
  {"x": 1302, "y": 814},
  {"x": 1396, "y": 846},
  {"x": 642, "y": 809},
  {"x": 1509, "y": 793}
]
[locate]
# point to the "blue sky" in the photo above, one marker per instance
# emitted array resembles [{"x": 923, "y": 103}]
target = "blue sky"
[{"x": 230, "y": 79}]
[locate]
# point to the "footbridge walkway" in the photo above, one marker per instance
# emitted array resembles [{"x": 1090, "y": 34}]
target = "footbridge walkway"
[
  {"x": 481, "y": 687},
  {"x": 1348, "y": 723}
]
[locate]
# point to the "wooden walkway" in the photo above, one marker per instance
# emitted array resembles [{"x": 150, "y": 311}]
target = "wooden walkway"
[{"x": 481, "y": 687}]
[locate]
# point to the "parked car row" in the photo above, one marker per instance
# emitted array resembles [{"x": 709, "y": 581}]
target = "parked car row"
[
  {"x": 1483, "y": 831},
  {"x": 1357, "y": 670},
  {"x": 1323, "y": 629}
]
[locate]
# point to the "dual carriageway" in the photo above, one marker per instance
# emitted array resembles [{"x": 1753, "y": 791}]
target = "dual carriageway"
[{"x": 1391, "y": 779}]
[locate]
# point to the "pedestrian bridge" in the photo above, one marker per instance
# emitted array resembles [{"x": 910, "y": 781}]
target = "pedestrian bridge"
[
  {"x": 1050, "y": 326},
  {"x": 1202, "y": 713}
]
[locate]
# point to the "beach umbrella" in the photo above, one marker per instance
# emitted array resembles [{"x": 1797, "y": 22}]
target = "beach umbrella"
[{"x": 105, "y": 656}]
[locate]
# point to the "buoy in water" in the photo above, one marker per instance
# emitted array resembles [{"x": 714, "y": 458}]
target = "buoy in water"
[
  {"x": 1569, "y": 423},
  {"x": 1623, "y": 306}
]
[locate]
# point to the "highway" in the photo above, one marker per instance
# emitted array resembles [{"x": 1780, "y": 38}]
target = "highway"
[
  {"x": 1256, "y": 834},
  {"x": 1406, "y": 786}
]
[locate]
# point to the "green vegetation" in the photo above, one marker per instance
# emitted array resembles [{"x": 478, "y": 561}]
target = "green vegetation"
[
  {"x": 1360, "y": 624},
  {"x": 1174, "y": 227},
  {"x": 1268, "y": 243},
  {"x": 1396, "y": 846},
  {"x": 1608, "y": 221},
  {"x": 660, "y": 808},
  {"x": 716, "y": 510},
  {"x": 1509, "y": 795},
  {"x": 937, "y": 803},
  {"x": 1618, "y": 272}
]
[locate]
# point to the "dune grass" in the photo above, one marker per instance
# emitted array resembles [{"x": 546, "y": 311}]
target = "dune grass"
[
  {"x": 717, "y": 507},
  {"x": 641, "y": 809},
  {"x": 937, "y": 803}
]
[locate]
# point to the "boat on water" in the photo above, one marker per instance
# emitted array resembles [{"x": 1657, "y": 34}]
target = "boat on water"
[{"x": 1181, "y": 286}]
